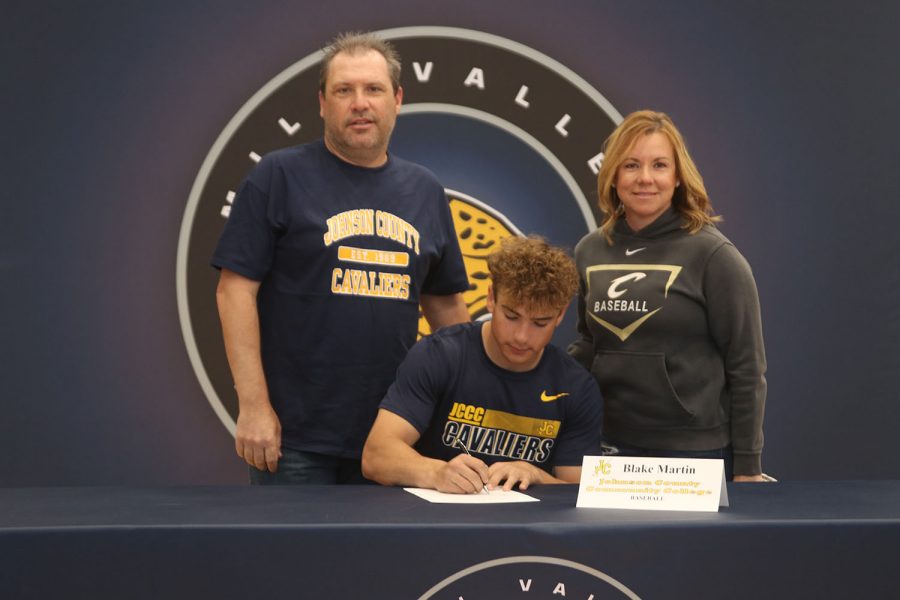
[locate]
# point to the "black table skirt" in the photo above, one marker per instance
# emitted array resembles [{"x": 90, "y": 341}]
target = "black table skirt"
[{"x": 781, "y": 540}]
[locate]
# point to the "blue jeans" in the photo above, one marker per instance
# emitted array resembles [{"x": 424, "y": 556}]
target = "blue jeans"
[
  {"x": 610, "y": 448},
  {"x": 298, "y": 467}
]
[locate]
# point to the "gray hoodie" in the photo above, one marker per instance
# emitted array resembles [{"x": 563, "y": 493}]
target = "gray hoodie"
[{"x": 670, "y": 326}]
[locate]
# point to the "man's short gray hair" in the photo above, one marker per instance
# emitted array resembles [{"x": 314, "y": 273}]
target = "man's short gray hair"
[{"x": 356, "y": 42}]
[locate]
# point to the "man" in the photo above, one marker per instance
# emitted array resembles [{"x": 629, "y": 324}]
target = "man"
[
  {"x": 329, "y": 249},
  {"x": 485, "y": 404}
]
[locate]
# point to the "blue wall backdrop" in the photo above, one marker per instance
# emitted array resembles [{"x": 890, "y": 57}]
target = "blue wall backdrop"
[{"x": 109, "y": 109}]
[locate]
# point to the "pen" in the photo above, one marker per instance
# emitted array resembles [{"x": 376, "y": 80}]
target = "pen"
[{"x": 457, "y": 443}]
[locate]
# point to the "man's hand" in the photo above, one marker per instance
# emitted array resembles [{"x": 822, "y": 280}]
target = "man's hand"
[
  {"x": 258, "y": 438},
  {"x": 463, "y": 474},
  {"x": 390, "y": 459},
  {"x": 513, "y": 472}
]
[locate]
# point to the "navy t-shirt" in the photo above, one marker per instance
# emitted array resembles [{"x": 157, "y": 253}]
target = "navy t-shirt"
[
  {"x": 343, "y": 254},
  {"x": 453, "y": 394}
]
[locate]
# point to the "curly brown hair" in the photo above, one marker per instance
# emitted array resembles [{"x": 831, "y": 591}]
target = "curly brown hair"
[{"x": 533, "y": 273}]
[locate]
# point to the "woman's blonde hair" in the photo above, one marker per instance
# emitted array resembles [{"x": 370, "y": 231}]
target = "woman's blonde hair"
[{"x": 690, "y": 198}]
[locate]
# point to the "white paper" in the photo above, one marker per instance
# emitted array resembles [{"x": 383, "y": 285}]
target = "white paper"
[{"x": 497, "y": 496}]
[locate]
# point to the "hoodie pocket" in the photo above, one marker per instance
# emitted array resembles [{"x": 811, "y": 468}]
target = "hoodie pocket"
[{"x": 637, "y": 392}]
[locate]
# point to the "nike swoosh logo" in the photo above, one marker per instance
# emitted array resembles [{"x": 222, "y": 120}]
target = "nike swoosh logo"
[
  {"x": 630, "y": 252},
  {"x": 547, "y": 398}
]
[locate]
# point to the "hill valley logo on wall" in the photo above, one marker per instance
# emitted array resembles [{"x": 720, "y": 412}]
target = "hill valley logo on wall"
[{"x": 513, "y": 136}]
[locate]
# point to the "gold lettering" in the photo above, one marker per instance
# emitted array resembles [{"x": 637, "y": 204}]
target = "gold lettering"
[
  {"x": 348, "y": 223},
  {"x": 370, "y": 283},
  {"x": 394, "y": 228}
]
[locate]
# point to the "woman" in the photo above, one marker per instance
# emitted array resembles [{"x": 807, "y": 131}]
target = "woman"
[{"x": 668, "y": 313}]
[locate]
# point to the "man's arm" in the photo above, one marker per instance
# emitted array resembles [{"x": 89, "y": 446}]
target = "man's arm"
[
  {"x": 441, "y": 311},
  {"x": 258, "y": 435},
  {"x": 390, "y": 459}
]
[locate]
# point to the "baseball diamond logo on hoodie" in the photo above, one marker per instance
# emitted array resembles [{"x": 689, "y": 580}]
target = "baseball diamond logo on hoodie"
[{"x": 621, "y": 298}]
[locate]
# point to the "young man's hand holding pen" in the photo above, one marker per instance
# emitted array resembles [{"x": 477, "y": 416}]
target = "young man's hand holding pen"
[
  {"x": 483, "y": 473},
  {"x": 464, "y": 474}
]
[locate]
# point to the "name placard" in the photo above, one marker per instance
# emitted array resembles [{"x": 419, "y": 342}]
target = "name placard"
[{"x": 639, "y": 483}]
